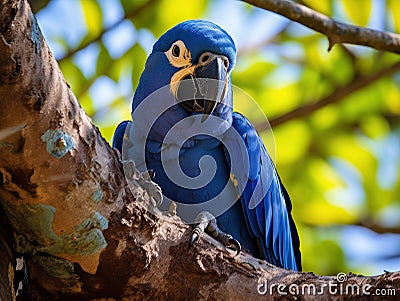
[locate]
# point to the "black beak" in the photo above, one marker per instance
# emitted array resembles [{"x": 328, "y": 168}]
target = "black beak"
[{"x": 206, "y": 88}]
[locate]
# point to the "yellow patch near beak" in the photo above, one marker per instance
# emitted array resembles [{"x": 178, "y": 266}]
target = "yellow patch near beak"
[
  {"x": 180, "y": 57},
  {"x": 178, "y": 76}
]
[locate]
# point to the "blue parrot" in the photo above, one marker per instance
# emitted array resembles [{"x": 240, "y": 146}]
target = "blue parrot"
[{"x": 214, "y": 165}]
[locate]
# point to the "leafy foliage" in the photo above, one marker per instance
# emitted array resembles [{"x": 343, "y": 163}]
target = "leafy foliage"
[{"x": 340, "y": 163}]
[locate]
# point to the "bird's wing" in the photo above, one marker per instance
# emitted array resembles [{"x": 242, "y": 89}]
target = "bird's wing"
[
  {"x": 118, "y": 136},
  {"x": 266, "y": 204}
]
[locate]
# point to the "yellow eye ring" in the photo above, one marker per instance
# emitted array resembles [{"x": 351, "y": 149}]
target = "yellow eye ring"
[{"x": 178, "y": 55}]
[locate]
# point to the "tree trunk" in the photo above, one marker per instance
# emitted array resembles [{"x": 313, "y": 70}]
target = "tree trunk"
[{"x": 83, "y": 232}]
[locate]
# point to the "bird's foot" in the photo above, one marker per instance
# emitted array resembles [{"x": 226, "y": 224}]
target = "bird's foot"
[
  {"x": 206, "y": 222},
  {"x": 172, "y": 209},
  {"x": 144, "y": 180}
]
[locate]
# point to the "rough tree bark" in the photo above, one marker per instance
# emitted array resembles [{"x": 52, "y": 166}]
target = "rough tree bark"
[{"x": 84, "y": 234}]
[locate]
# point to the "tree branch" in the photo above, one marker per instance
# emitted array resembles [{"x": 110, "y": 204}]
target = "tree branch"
[
  {"x": 336, "y": 32},
  {"x": 367, "y": 223},
  {"x": 84, "y": 233},
  {"x": 376, "y": 227},
  {"x": 358, "y": 83}
]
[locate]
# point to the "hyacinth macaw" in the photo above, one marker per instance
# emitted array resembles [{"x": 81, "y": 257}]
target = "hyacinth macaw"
[{"x": 194, "y": 60}]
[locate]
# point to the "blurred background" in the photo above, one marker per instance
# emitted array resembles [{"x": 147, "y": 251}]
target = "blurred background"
[{"x": 335, "y": 115}]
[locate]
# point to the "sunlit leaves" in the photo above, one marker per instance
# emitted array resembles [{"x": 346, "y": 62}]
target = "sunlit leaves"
[
  {"x": 179, "y": 11},
  {"x": 326, "y": 118},
  {"x": 136, "y": 56},
  {"x": 359, "y": 11},
  {"x": 326, "y": 214},
  {"x": 348, "y": 148},
  {"x": 129, "y": 5},
  {"x": 324, "y": 244},
  {"x": 251, "y": 78},
  {"x": 322, "y": 6},
  {"x": 119, "y": 109},
  {"x": 93, "y": 17},
  {"x": 73, "y": 75},
  {"x": 374, "y": 126},
  {"x": 394, "y": 9},
  {"x": 166, "y": 13},
  {"x": 292, "y": 142},
  {"x": 279, "y": 99},
  {"x": 324, "y": 174},
  {"x": 391, "y": 98},
  {"x": 104, "y": 61}
]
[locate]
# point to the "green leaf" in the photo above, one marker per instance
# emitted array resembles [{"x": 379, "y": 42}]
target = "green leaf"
[
  {"x": 322, "y": 6},
  {"x": 322, "y": 241},
  {"x": 129, "y": 5},
  {"x": 104, "y": 61},
  {"x": 276, "y": 100},
  {"x": 292, "y": 141},
  {"x": 177, "y": 11},
  {"x": 324, "y": 213},
  {"x": 326, "y": 118},
  {"x": 87, "y": 104},
  {"x": 348, "y": 147},
  {"x": 245, "y": 79},
  {"x": 374, "y": 126},
  {"x": 394, "y": 8},
  {"x": 359, "y": 11},
  {"x": 93, "y": 17},
  {"x": 137, "y": 57},
  {"x": 132, "y": 61},
  {"x": 392, "y": 98},
  {"x": 118, "y": 68},
  {"x": 73, "y": 75}
]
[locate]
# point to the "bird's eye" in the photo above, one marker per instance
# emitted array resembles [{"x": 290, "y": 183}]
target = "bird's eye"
[
  {"x": 176, "y": 51},
  {"x": 205, "y": 58},
  {"x": 226, "y": 63},
  {"x": 178, "y": 55}
]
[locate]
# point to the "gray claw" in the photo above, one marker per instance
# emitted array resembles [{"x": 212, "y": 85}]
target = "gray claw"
[
  {"x": 148, "y": 175},
  {"x": 193, "y": 239},
  {"x": 198, "y": 230},
  {"x": 206, "y": 221},
  {"x": 235, "y": 244}
]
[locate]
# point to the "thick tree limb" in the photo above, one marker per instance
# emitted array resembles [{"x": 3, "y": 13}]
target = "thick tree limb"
[
  {"x": 336, "y": 32},
  {"x": 84, "y": 233}
]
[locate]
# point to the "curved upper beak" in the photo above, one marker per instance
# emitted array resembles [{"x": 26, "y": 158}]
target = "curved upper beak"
[{"x": 203, "y": 90}]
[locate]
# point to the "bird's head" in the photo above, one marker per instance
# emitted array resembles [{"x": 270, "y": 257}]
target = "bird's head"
[{"x": 195, "y": 59}]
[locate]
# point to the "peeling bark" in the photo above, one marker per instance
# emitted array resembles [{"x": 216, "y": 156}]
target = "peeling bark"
[{"x": 84, "y": 233}]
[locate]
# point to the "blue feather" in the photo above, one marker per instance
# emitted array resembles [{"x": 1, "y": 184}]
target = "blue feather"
[
  {"x": 245, "y": 193},
  {"x": 263, "y": 202},
  {"x": 119, "y": 133}
]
